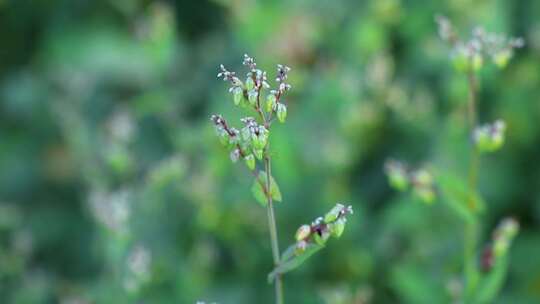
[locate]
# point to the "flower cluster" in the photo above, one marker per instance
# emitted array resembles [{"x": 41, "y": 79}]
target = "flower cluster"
[
  {"x": 321, "y": 228},
  {"x": 247, "y": 143},
  {"x": 471, "y": 54},
  {"x": 489, "y": 137},
  {"x": 401, "y": 178},
  {"x": 502, "y": 239},
  {"x": 250, "y": 142}
]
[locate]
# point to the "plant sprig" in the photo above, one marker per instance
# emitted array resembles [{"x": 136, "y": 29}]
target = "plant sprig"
[{"x": 251, "y": 143}]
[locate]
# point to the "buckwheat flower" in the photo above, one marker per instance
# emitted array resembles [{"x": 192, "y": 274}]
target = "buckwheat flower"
[
  {"x": 236, "y": 84},
  {"x": 489, "y": 137},
  {"x": 397, "y": 174},
  {"x": 249, "y": 62},
  {"x": 446, "y": 30}
]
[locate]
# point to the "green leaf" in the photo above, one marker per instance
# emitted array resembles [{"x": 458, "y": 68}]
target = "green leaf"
[
  {"x": 457, "y": 195},
  {"x": 258, "y": 190},
  {"x": 492, "y": 282},
  {"x": 294, "y": 261}
]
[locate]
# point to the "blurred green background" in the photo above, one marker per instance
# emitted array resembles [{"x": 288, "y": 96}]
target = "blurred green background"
[{"x": 114, "y": 188}]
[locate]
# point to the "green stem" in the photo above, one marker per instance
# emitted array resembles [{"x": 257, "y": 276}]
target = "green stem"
[
  {"x": 273, "y": 231},
  {"x": 472, "y": 274}
]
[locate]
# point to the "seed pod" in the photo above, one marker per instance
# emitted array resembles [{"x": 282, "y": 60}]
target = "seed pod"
[
  {"x": 321, "y": 238},
  {"x": 426, "y": 194},
  {"x": 270, "y": 102},
  {"x": 258, "y": 154},
  {"x": 252, "y": 97},
  {"x": 250, "y": 84},
  {"x": 338, "y": 227},
  {"x": 250, "y": 161},
  {"x": 333, "y": 214},
  {"x": 281, "y": 112},
  {"x": 303, "y": 232},
  {"x": 259, "y": 141},
  {"x": 224, "y": 138},
  {"x": 238, "y": 95},
  {"x": 477, "y": 62},
  {"x": 501, "y": 58}
]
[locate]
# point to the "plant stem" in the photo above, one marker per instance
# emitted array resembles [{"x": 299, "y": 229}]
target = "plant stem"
[
  {"x": 471, "y": 228},
  {"x": 273, "y": 230}
]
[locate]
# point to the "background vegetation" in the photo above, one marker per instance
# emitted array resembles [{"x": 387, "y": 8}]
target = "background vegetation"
[{"x": 113, "y": 188}]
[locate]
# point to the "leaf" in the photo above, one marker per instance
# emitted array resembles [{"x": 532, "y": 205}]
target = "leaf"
[
  {"x": 294, "y": 261},
  {"x": 492, "y": 282},
  {"x": 458, "y": 196},
  {"x": 258, "y": 190}
]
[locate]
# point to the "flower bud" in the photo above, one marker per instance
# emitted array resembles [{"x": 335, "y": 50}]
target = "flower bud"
[
  {"x": 270, "y": 102},
  {"x": 422, "y": 177},
  {"x": 397, "y": 175},
  {"x": 503, "y": 236},
  {"x": 490, "y": 137},
  {"x": 250, "y": 161},
  {"x": 303, "y": 232},
  {"x": 281, "y": 112},
  {"x": 235, "y": 155},
  {"x": 252, "y": 97}
]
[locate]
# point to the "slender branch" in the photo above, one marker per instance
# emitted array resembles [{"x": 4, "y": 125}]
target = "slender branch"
[
  {"x": 273, "y": 230},
  {"x": 472, "y": 274}
]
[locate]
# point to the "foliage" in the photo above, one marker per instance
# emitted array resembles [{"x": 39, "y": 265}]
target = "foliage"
[{"x": 113, "y": 188}]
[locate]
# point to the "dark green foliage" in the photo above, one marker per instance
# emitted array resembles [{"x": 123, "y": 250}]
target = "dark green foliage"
[{"x": 104, "y": 109}]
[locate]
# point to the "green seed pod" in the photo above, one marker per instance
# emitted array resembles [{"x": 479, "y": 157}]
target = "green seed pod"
[
  {"x": 258, "y": 142},
  {"x": 250, "y": 161},
  {"x": 477, "y": 62},
  {"x": 497, "y": 141},
  {"x": 321, "y": 239},
  {"x": 224, "y": 138},
  {"x": 252, "y": 97},
  {"x": 461, "y": 62},
  {"x": 250, "y": 84},
  {"x": 423, "y": 177},
  {"x": 270, "y": 102},
  {"x": 333, "y": 214},
  {"x": 338, "y": 227},
  {"x": 501, "y": 58},
  {"x": 303, "y": 232},
  {"x": 426, "y": 194},
  {"x": 482, "y": 140},
  {"x": 281, "y": 112},
  {"x": 398, "y": 179},
  {"x": 238, "y": 95},
  {"x": 258, "y": 154}
]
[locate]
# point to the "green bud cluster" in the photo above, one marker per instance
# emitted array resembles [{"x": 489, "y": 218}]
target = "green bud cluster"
[
  {"x": 251, "y": 141},
  {"x": 470, "y": 55},
  {"x": 489, "y": 137},
  {"x": 322, "y": 228},
  {"x": 421, "y": 180},
  {"x": 503, "y": 236}
]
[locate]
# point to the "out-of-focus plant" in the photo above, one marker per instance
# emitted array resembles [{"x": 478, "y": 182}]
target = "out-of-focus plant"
[
  {"x": 483, "y": 272},
  {"x": 252, "y": 144}
]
